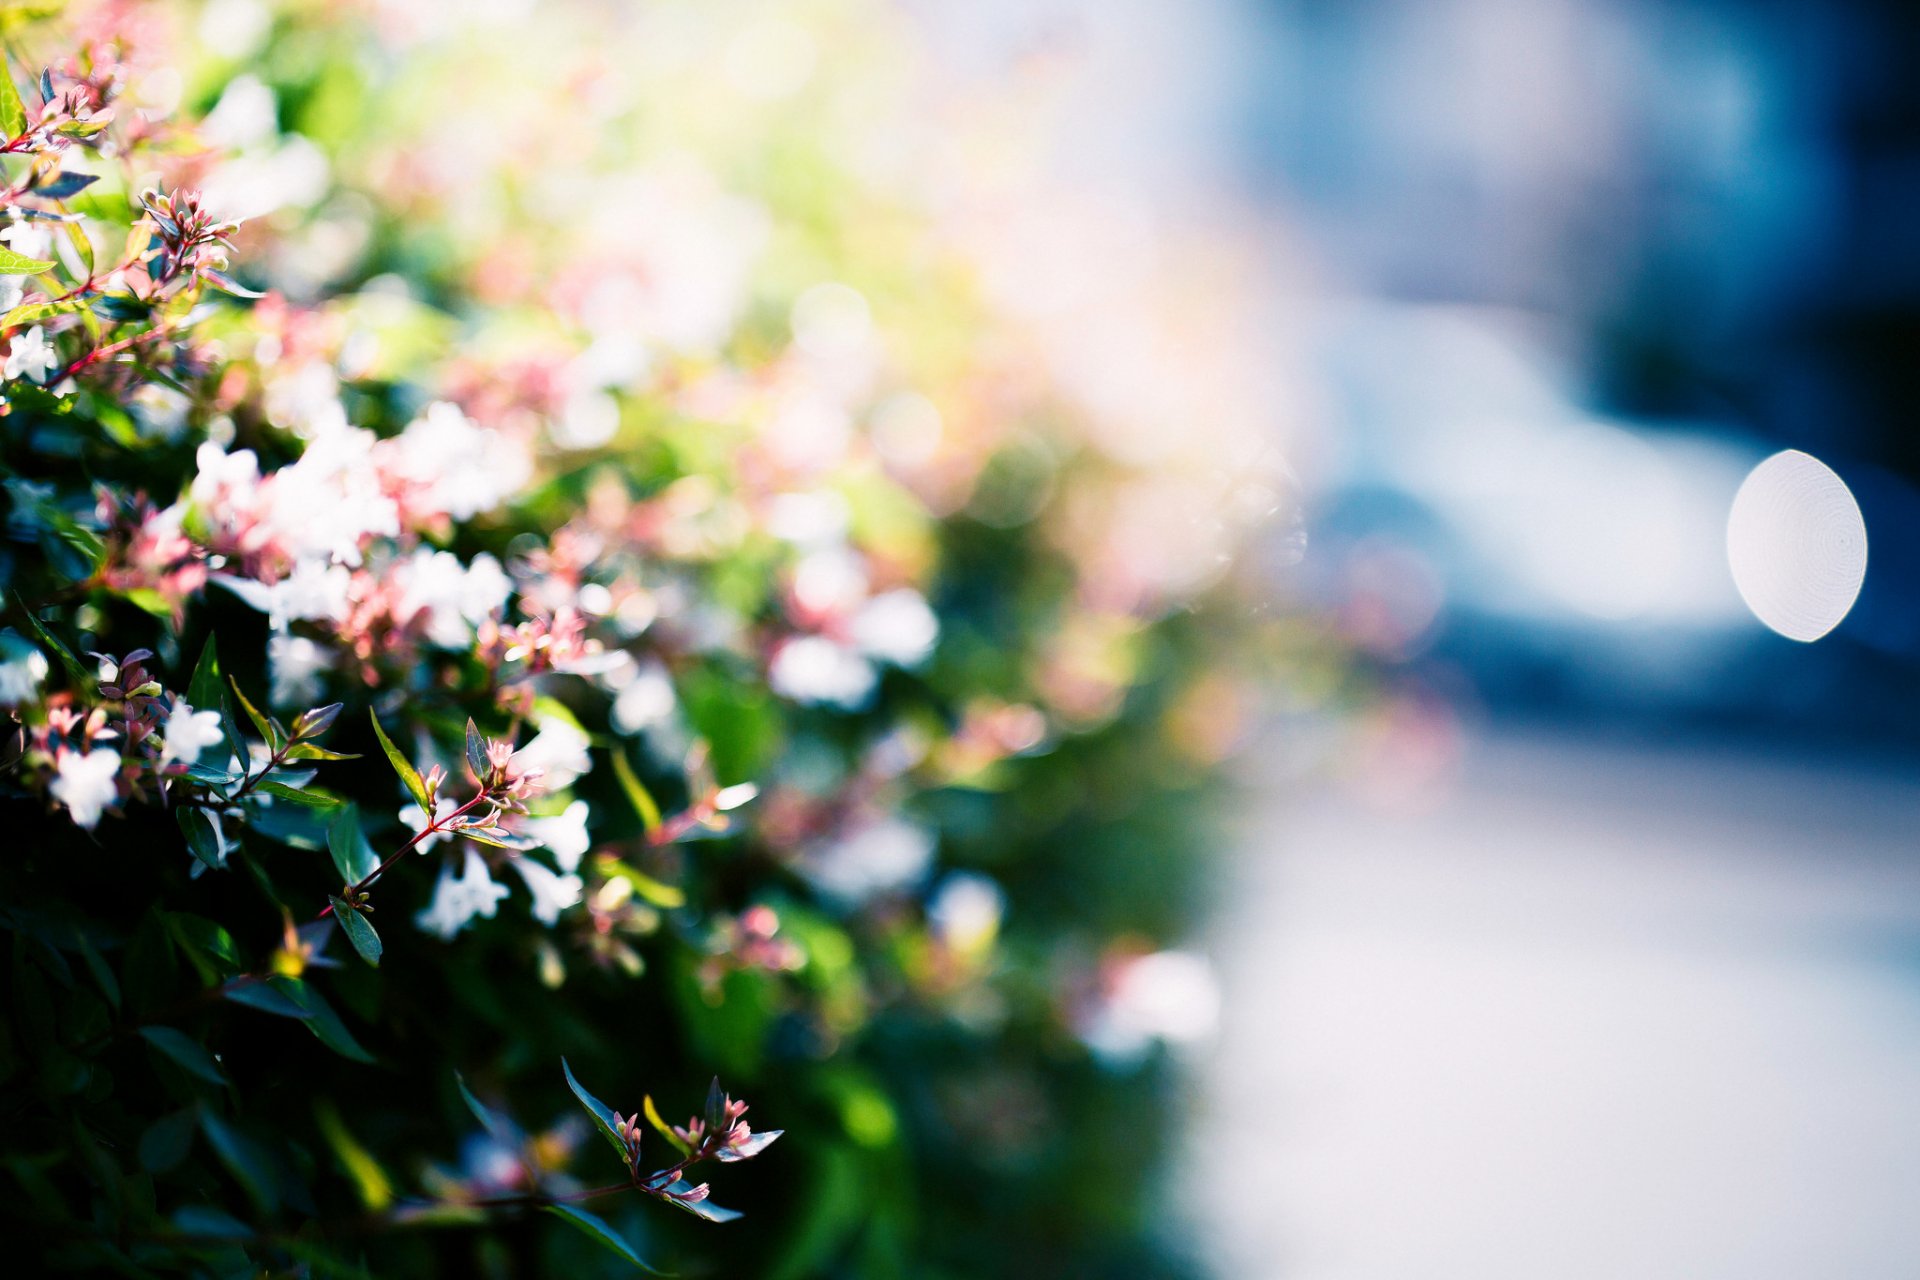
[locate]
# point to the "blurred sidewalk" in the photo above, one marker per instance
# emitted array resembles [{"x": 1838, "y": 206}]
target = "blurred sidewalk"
[{"x": 1605, "y": 1012}]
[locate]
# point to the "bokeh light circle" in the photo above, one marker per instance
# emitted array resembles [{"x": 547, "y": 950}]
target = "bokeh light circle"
[{"x": 1797, "y": 545}]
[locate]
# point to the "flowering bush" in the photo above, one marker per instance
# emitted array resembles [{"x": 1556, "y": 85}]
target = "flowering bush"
[{"x": 495, "y": 583}]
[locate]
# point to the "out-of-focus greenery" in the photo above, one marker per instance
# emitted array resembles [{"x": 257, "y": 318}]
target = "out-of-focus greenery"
[{"x": 721, "y": 280}]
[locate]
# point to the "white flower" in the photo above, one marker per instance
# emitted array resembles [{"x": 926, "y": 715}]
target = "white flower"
[
  {"x": 29, "y": 240},
  {"x": 645, "y": 700},
  {"x": 87, "y": 784},
  {"x": 552, "y": 893},
  {"x": 965, "y": 911},
  {"x": 453, "y": 598},
  {"x": 12, "y": 289},
  {"x": 22, "y": 668},
  {"x": 874, "y": 857},
  {"x": 458, "y": 467},
  {"x": 816, "y": 669},
  {"x": 190, "y": 732},
  {"x": 896, "y": 627},
  {"x": 416, "y": 819},
  {"x": 226, "y": 485},
  {"x": 296, "y": 663},
  {"x": 564, "y": 834},
  {"x": 30, "y": 355},
  {"x": 558, "y": 751},
  {"x": 1169, "y": 996},
  {"x": 457, "y": 900},
  {"x": 331, "y": 501}
]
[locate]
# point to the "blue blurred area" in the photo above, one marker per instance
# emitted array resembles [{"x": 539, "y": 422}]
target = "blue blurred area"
[{"x": 1590, "y": 261}]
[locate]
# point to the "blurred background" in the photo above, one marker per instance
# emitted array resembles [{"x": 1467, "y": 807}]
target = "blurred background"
[{"x": 1590, "y": 945}]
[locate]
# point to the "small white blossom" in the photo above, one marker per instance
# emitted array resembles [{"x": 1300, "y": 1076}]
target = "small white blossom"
[
  {"x": 416, "y": 819},
  {"x": 1170, "y": 997},
  {"x": 190, "y": 732},
  {"x": 29, "y": 240},
  {"x": 87, "y": 784},
  {"x": 965, "y": 911},
  {"x": 451, "y": 597},
  {"x": 558, "y": 751},
  {"x": 22, "y": 668},
  {"x": 897, "y": 627},
  {"x": 874, "y": 857},
  {"x": 817, "y": 669},
  {"x": 31, "y": 356},
  {"x": 564, "y": 834},
  {"x": 458, "y": 899},
  {"x": 296, "y": 663},
  {"x": 552, "y": 893},
  {"x": 458, "y": 468}
]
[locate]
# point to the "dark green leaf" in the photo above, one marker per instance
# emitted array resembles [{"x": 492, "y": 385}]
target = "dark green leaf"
[
  {"x": 703, "y": 1209},
  {"x": 359, "y": 932},
  {"x": 604, "y": 1118},
  {"x": 251, "y": 1165},
  {"x": 204, "y": 1220},
  {"x": 184, "y": 1050},
  {"x": 476, "y": 753},
  {"x": 203, "y": 691},
  {"x": 352, "y": 855},
  {"x": 602, "y": 1231},
  {"x": 81, "y": 673},
  {"x": 264, "y": 998},
  {"x": 298, "y": 795},
  {"x": 62, "y": 185},
  {"x": 490, "y": 1120},
  {"x": 167, "y": 1141},
  {"x": 197, "y": 827},
  {"x": 409, "y": 775},
  {"x": 321, "y": 1019}
]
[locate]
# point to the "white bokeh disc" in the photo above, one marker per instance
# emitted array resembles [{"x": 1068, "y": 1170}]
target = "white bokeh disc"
[{"x": 1797, "y": 545}]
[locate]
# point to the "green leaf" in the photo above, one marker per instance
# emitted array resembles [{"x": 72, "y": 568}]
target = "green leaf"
[
  {"x": 637, "y": 795},
  {"x": 307, "y": 751},
  {"x": 409, "y": 775},
  {"x": 299, "y": 795},
  {"x": 251, "y": 1165},
  {"x": 359, "y": 932},
  {"x": 79, "y": 671},
  {"x": 203, "y": 691},
  {"x": 19, "y": 264},
  {"x": 167, "y": 1141},
  {"x": 604, "y": 1118},
  {"x": 352, "y": 855},
  {"x": 490, "y": 1120},
  {"x": 601, "y": 1230},
  {"x": 259, "y": 996},
  {"x": 706, "y": 1210},
  {"x": 661, "y": 1127},
  {"x": 62, "y": 185},
  {"x": 275, "y": 736},
  {"x": 184, "y": 1050},
  {"x": 376, "y": 1190},
  {"x": 476, "y": 753},
  {"x": 13, "y": 112},
  {"x": 321, "y": 1019},
  {"x": 197, "y": 827}
]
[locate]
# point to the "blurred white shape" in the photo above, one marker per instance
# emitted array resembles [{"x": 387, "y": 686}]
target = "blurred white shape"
[
  {"x": 1797, "y": 545},
  {"x": 831, "y": 319},
  {"x": 1169, "y": 997},
  {"x": 878, "y": 856}
]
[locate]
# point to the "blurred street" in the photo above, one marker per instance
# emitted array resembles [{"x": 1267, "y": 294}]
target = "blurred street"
[{"x": 1603, "y": 1011}]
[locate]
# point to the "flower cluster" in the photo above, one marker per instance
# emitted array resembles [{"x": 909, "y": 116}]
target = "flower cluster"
[{"x": 781, "y": 654}]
